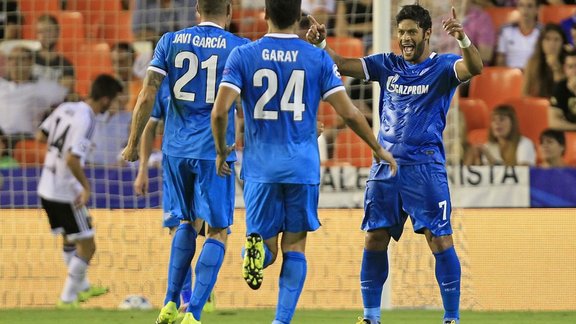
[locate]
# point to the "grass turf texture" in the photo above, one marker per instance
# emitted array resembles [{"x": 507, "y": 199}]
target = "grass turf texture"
[{"x": 264, "y": 316}]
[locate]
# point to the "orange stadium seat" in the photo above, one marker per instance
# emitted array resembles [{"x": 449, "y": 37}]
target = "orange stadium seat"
[
  {"x": 532, "y": 115},
  {"x": 72, "y": 34},
  {"x": 478, "y": 136},
  {"x": 95, "y": 14},
  {"x": 570, "y": 154},
  {"x": 346, "y": 46},
  {"x": 555, "y": 13},
  {"x": 117, "y": 28},
  {"x": 475, "y": 113},
  {"x": 29, "y": 152},
  {"x": 90, "y": 61},
  {"x": 251, "y": 23},
  {"x": 496, "y": 84},
  {"x": 502, "y": 16},
  {"x": 351, "y": 150}
]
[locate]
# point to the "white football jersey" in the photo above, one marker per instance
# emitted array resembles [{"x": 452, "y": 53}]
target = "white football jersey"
[{"x": 69, "y": 129}]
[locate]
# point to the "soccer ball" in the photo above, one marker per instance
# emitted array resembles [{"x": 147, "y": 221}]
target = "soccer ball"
[{"x": 135, "y": 302}]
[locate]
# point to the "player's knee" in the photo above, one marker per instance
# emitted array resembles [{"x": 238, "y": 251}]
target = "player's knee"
[
  {"x": 86, "y": 248},
  {"x": 440, "y": 243},
  {"x": 219, "y": 234},
  {"x": 377, "y": 239}
]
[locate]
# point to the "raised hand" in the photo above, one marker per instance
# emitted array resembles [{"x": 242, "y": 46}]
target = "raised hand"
[
  {"x": 453, "y": 27},
  {"x": 316, "y": 33}
]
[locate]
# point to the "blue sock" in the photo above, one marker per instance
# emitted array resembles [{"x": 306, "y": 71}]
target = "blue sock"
[
  {"x": 373, "y": 274},
  {"x": 207, "y": 268},
  {"x": 186, "y": 292},
  {"x": 448, "y": 273},
  {"x": 292, "y": 279},
  {"x": 181, "y": 255}
]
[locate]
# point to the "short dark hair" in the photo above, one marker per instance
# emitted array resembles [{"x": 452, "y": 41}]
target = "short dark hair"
[
  {"x": 554, "y": 134},
  {"x": 417, "y": 13},
  {"x": 283, "y": 13},
  {"x": 105, "y": 86},
  {"x": 213, "y": 7}
]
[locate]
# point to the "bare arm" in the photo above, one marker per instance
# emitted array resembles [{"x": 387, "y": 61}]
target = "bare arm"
[
  {"x": 347, "y": 66},
  {"x": 75, "y": 166},
  {"x": 222, "y": 104},
  {"x": 557, "y": 121},
  {"x": 141, "y": 181},
  {"x": 141, "y": 113},
  {"x": 356, "y": 121}
]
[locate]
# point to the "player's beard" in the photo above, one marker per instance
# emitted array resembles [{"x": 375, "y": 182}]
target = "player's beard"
[{"x": 416, "y": 53}]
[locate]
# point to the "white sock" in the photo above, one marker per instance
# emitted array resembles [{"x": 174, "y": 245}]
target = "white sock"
[
  {"x": 67, "y": 253},
  {"x": 76, "y": 275}
]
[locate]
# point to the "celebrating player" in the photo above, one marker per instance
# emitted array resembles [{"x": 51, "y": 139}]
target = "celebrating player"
[
  {"x": 193, "y": 60},
  {"x": 281, "y": 87},
  {"x": 416, "y": 90},
  {"x": 64, "y": 189}
]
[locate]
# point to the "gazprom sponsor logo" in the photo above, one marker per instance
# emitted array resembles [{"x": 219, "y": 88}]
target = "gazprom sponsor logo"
[{"x": 401, "y": 89}]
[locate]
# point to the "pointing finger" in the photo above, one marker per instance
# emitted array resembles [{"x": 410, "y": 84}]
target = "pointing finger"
[
  {"x": 312, "y": 20},
  {"x": 453, "y": 12}
]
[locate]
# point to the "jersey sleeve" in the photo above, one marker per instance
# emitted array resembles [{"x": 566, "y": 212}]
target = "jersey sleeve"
[
  {"x": 46, "y": 125},
  {"x": 158, "y": 62},
  {"x": 232, "y": 74},
  {"x": 372, "y": 65},
  {"x": 331, "y": 80},
  {"x": 449, "y": 61},
  {"x": 81, "y": 137}
]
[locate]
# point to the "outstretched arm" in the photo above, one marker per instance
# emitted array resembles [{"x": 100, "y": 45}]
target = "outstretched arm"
[
  {"x": 222, "y": 104},
  {"x": 357, "y": 122},
  {"x": 316, "y": 35},
  {"x": 142, "y": 112},
  {"x": 472, "y": 63}
]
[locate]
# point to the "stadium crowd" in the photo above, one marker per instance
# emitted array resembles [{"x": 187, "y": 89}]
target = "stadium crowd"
[{"x": 52, "y": 49}]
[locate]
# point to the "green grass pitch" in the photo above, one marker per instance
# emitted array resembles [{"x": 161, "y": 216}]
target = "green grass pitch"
[{"x": 265, "y": 316}]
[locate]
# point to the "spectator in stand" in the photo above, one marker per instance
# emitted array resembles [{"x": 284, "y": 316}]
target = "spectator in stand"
[
  {"x": 23, "y": 99},
  {"x": 354, "y": 18},
  {"x": 6, "y": 160},
  {"x": 505, "y": 3},
  {"x": 152, "y": 18},
  {"x": 552, "y": 148},
  {"x": 10, "y": 20},
  {"x": 506, "y": 146},
  {"x": 544, "y": 68},
  {"x": 123, "y": 61},
  {"x": 563, "y": 101},
  {"x": 569, "y": 28},
  {"x": 49, "y": 64},
  {"x": 516, "y": 41}
]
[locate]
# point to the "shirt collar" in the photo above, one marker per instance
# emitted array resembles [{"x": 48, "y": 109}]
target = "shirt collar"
[{"x": 211, "y": 24}]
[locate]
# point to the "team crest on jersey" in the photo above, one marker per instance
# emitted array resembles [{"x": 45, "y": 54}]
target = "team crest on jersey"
[{"x": 401, "y": 89}]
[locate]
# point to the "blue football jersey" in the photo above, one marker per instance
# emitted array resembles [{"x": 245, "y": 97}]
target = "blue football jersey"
[
  {"x": 193, "y": 60},
  {"x": 414, "y": 102},
  {"x": 281, "y": 80}
]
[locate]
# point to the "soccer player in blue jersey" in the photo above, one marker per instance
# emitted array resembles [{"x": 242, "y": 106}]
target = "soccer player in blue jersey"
[
  {"x": 416, "y": 89},
  {"x": 281, "y": 79},
  {"x": 193, "y": 60}
]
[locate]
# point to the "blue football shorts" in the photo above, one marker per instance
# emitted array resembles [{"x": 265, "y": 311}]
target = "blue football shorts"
[
  {"x": 272, "y": 208},
  {"x": 419, "y": 190},
  {"x": 198, "y": 192}
]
